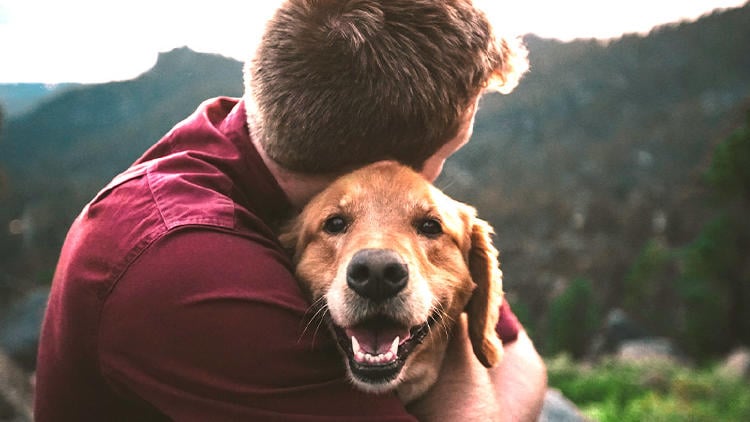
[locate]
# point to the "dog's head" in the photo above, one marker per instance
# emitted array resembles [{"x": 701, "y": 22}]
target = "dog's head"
[{"x": 392, "y": 262}]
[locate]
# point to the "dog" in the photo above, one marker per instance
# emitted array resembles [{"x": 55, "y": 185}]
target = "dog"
[{"x": 390, "y": 263}]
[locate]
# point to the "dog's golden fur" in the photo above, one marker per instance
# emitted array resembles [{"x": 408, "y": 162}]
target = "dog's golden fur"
[{"x": 452, "y": 268}]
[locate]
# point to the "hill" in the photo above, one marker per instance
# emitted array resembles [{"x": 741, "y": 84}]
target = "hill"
[
  {"x": 59, "y": 154},
  {"x": 17, "y": 99},
  {"x": 113, "y": 121},
  {"x": 599, "y": 151},
  {"x": 602, "y": 149}
]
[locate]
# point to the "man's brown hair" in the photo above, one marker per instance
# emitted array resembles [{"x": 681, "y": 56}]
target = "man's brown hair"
[{"x": 336, "y": 84}]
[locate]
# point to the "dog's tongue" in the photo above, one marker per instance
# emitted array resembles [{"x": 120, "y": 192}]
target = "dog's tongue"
[{"x": 377, "y": 339}]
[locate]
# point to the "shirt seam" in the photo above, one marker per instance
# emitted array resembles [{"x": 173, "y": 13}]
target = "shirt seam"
[{"x": 119, "y": 271}]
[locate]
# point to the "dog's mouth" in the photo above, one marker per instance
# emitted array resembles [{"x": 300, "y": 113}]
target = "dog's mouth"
[{"x": 378, "y": 347}]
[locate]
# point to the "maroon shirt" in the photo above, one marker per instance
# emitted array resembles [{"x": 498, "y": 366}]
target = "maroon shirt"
[{"x": 172, "y": 298}]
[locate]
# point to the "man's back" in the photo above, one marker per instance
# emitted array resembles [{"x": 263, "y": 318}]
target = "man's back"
[{"x": 172, "y": 298}]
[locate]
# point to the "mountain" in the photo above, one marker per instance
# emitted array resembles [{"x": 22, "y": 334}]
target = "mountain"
[
  {"x": 58, "y": 155},
  {"x": 114, "y": 122},
  {"x": 17, "y": 99},
  {"x": 599, "y": 151}
]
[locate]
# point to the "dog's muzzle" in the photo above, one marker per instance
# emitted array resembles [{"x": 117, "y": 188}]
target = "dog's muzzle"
[
  {"x": 377, "y": 345},
  {"x": 377, "y": 274}
]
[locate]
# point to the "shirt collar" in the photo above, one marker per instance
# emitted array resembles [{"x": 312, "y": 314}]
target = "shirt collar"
[{"x": 259, "y": 190}]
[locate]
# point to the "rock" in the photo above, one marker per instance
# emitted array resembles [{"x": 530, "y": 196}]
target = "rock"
[
  {"x": 651, "y": 349},
  {"x": 15, "y": 391},
  {"x": 618, "y": 328},
  {"x": 557, "y": 408},
  {"x": 737, "y": 364},
  {"x": 624, "y": 339},
  {"x": 19, "y": 330}
]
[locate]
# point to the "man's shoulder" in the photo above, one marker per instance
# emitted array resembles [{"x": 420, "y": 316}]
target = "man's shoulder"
[
  {"x": 207, "y": 265},
  {"x": 141, "y": 206},
  {"x": 204, "y": 313}
]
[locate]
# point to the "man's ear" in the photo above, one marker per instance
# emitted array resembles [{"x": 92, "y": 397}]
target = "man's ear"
[{"x": 483, "y": 309}]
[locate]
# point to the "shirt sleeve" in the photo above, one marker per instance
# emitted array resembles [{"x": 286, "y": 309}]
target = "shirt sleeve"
[
  {"x": 208, "y": 325},
  {"x": 508, "y": 326}
]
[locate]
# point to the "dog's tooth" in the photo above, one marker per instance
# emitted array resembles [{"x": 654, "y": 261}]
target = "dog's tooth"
[
  {"x": 356, "y": 348},
  {"x": 359, "y": 357},
  {"x": 394, "y": 346},
  {"x": 389, "y": 356}
]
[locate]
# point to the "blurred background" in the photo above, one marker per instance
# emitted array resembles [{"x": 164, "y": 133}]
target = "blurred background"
[{"x": 617, "y": 177}]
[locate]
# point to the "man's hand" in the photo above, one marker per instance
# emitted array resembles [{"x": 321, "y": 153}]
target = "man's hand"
[
  {"x": 467, "y": 391},
  {"x": 520, "y": 381}
]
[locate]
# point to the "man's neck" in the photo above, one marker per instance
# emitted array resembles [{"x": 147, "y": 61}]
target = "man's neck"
[{"x": 298, "y": 187}]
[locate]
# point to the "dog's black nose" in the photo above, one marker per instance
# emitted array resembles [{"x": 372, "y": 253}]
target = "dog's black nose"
[{"x": 377, "y": 274}]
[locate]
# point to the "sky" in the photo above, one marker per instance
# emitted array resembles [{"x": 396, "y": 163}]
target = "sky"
[{"x": 53, "y": 41}]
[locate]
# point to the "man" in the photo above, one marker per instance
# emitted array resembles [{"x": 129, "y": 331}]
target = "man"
[{"x": 174, "y": 300}]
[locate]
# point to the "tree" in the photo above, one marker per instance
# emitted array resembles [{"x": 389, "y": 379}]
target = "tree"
[
  {"x": 700, "y": 293},
  {"x": 648, "y": 288},
  {"x": 720, "y": 253},
  {"x": 715, "y": 282},
  {"x": 729, "y": 172},
  {"x": 572, "y": 320},
  {"x": 3, "y": 176}
]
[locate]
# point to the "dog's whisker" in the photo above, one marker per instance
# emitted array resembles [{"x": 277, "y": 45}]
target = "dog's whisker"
[
  {"x": 433, "y": 320},
  {"x": 319, "y": 314},
  {"x": 442, "y": 319},
  {"x": 315, "y": 332},
  {"x": 321, "y": 309},
  {"x": 315, "y": 306},
  {"x": 390, "y": 294},
  {"x": 308, "y": 318},
  {"x": 321, "y": 317},
  {"x": 317, "y": 328}
]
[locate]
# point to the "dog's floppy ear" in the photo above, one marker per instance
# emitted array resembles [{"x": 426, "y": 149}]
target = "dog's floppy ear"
[
  {"x": 291, "y": 236},
  {"x": 484, "y": 307}
]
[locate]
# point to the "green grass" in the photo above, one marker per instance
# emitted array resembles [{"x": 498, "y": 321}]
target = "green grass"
[{"x": 610, "y": 391}]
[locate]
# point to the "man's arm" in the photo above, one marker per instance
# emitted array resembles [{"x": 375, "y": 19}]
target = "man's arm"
[
  {"x": 520, "y": 381},
  {"x": 467, "y": 391},
  {"x": 207, "y": 325}
]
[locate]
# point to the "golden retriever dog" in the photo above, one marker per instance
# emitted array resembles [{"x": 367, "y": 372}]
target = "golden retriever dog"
[{"x": 390, "y": 263}]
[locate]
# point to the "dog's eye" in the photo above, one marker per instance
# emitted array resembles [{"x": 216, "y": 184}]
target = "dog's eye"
[
  {"x": 335, "y": 225},
  {"x": 429, "y": 227}
]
